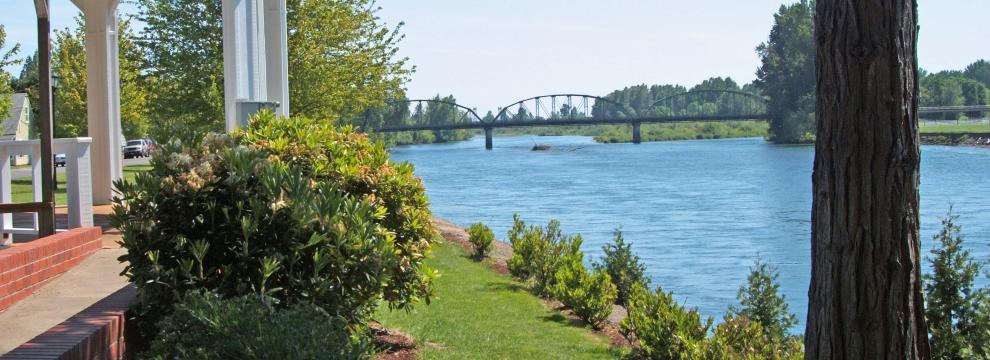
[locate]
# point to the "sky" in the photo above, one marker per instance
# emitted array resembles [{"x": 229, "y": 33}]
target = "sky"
[{"x": 492, "y": 53}]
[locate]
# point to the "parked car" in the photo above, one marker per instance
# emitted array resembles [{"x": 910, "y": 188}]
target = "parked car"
[
  {"x": 59, "y": 160},
  {"x": 135, "y": 148}
]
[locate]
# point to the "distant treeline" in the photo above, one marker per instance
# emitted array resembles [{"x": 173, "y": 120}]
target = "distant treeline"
[
  {"x": 402, "y": 112},
  {"x": 956, "y": 88}
]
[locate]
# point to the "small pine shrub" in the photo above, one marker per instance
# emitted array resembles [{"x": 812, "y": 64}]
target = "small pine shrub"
[
  {"x": 523, "y": 244},
  {"x": 623, "y": 267},
  {"x": 482, "y": 238},
  {"x": 958, "y": 314},
  {"x": 207, "y": 326},
  {"x": 589, "y": 295},
  {"x": 538, "y": 253},
  {"x": 659, "y": 328},
  {"x": 761, "y": 302},
  {"x": 744, "y": 339}
]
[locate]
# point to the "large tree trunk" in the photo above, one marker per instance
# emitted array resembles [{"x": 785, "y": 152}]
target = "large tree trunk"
[{"x": 865, "y": 297}]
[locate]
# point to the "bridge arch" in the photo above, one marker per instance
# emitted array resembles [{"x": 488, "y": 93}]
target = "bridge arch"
[
  {"x": 725, "y": 102},
  {"x": 586, "y": 106},
  {"x": 466, "y": 110}
]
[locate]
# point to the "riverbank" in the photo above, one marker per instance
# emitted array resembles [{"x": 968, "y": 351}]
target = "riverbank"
[
  {"x": 981, "y": 139},
  {"x": 480, "y": 312}
]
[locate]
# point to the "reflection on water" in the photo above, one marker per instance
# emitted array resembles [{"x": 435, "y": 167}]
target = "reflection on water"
[{"x": 697, "y": 212}]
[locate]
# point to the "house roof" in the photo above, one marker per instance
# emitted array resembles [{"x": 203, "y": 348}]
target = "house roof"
[{"x": 19, "y": 113}]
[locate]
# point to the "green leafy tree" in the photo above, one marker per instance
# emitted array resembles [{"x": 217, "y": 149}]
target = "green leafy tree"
[
  {"x": 761, "y": 302},
  {"x": 623, "y": 267},
  {"x": 979, "y": 71},
  {"x": 183, "y": 46},
  {"x": 69, "y": 64},
  {"x": 957, "y": 312},
  {"x": 6, "y": 59},
  {"x": 787, "y": 73},
  {"x": 342, "y": 58}
]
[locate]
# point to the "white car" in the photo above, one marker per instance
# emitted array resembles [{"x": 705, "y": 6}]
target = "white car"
[{"x": 136, "y": 148}]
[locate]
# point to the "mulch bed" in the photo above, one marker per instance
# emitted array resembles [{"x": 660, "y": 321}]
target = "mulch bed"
[
  {"x": 396, "y": 345},
  {"x": 498, "y": 261}
]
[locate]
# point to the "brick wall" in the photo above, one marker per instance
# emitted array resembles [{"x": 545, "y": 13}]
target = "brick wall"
[
  {"x": 26, "y": 267},
  {"x": 94, "y": 333}
]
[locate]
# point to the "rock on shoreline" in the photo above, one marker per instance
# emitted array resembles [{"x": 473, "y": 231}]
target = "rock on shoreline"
[{"x": 971, "y": 139}]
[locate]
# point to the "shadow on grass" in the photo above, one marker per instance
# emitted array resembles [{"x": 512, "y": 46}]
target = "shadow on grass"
[
  {"x": 563, "y": 320},
  {"x": 506, "y": 286}
]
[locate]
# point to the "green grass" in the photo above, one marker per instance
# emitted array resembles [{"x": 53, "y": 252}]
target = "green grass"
[
  {"x": 480, "y": 314},
  {"x": 20, "y": 189},
  {"x": 955, "y": 129}
]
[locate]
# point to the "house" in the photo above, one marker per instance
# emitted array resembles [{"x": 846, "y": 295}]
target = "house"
[{"x": 16, "y": 125}]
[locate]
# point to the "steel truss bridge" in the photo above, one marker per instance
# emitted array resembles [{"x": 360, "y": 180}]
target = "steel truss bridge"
[{"x": 581, "y": 109}]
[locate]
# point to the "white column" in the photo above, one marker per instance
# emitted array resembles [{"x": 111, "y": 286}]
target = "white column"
[
  {"x": 78, "y": 176},
  {"x": 277, "y": 54},
  {"x": 6, "y": 220},
  {"x": 243, "y": 56},
  {"x": 255, "y": 57},
  {"x": 103, "y": 95}
]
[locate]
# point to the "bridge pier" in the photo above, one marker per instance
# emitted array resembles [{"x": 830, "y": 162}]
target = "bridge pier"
[
  {"x": 488, "y": 138},
  {"x": 636, "y": 137}
]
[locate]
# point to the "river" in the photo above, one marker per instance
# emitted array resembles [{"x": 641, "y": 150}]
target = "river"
[{"x": 697, "y": 212}]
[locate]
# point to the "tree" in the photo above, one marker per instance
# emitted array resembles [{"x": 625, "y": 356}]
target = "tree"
[
  {"x": 6, "y": 59},
  {"x": 69, "y": 64},
  {"x": 787, "y": 73},
  {"x": 979, "y": 71},
  {"x": 342, "y": 58},
  {"x": 183, "y": 47},
  {"x": 865, "y": 298},
  {"x": 956, "y": 311},
  {"x": 27, "y": 82},
  {"x": 759, "y": 301},
  {"x": 623, "y": 267}
]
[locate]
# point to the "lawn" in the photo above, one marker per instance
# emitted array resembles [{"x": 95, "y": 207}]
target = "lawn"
[
  {"x": 21, "y": 188},
  {"x": 480, "y": 314},
  {"x": 955, "y": 129}
]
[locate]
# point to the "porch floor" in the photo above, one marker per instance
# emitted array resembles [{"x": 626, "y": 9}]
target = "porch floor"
[{"x": 93, "y": 279}]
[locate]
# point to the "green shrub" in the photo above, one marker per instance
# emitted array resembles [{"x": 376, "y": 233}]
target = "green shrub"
[
  {"x": 538, "y": 253},
  {"x": 589, "y": 295},
  {"x": 349, "y": 161},
  {"x": 958, "y": 313},
  {"x": 523, "y": 246},
  {"x": 623, "y": 267},
  {"x": 206, "y": 326},
  {"x": 760, "y": 301},
  {"x": 482, "y": 238},
  {"x": 661, "y": 329},
  {"x": 222, "y": 217},
  {"x": 744, "y": 339}
]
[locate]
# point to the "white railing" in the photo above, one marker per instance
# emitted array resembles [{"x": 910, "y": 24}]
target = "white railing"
[{"x": 78, "y": 187}]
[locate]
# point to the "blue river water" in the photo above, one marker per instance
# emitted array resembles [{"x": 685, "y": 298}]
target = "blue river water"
[{"x": 698, "y": 213}]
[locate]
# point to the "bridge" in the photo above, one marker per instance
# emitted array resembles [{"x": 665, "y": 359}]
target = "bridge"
[{"x": 580, "y": 109}]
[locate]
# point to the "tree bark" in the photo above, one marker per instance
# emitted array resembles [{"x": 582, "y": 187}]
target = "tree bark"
[{"x": 865, "y": 299}]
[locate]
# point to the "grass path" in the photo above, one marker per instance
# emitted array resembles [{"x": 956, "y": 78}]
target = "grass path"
[{"x": 480, "y": 314}]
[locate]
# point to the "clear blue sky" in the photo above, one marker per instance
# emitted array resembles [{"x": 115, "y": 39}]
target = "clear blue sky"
[{"x": 490, "y": 53}]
